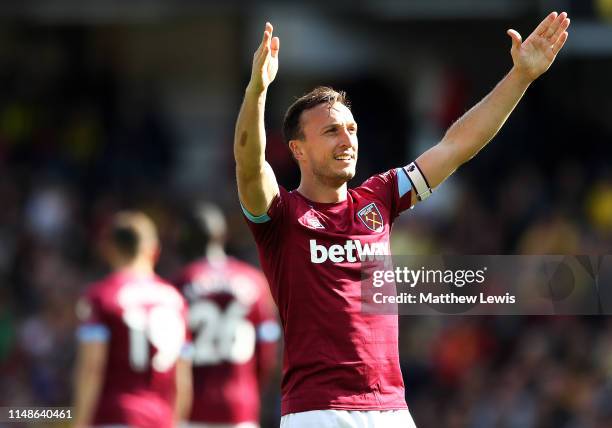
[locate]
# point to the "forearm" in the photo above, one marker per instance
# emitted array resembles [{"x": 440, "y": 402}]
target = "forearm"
[
  {"x": 266, "y": 362},
  {"x": 184, "y": 390},
  {"x": 481, "y": 123},
  {"x": 250, "y": 134},
  {"x": 87, "y": 387}
]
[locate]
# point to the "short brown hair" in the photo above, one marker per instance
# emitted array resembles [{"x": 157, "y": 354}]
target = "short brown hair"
[
  {"x": 292, "y": 128},
  {"x": 131, "y": 232}
]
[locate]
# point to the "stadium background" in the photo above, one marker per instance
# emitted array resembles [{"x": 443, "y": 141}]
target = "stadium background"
[{"x": 111, "y": 104}]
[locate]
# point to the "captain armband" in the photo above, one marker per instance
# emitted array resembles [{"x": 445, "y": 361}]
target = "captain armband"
[{"x": 418, "y": 181}]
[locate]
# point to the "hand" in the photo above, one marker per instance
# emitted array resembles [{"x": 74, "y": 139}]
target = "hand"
[
  {"x": 535, "y": 55},
  {"x": 265, "y": 61}
]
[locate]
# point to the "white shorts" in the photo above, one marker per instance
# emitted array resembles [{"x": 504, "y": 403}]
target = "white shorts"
[
  {"x": 348, "y": 419},
  {"x": 111, "y": 426},
  {"x": 204, "y": 425}
]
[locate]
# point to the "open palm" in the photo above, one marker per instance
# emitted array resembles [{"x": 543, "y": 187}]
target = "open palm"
[
  {"x": 265, "y": 60},
  {"x": 536, "y": 54}
]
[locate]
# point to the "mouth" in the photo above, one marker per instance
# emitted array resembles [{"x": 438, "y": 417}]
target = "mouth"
[{"x": 344, "y": 157}]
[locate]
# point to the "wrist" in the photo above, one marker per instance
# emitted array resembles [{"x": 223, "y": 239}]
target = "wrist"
[
  {"x": 255, "y": 90},
  {"x": 521, "y": 76}
]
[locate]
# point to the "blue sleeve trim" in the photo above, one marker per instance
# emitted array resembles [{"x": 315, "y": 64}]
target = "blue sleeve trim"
[
  {"x": 187, "y": 351},
  {"x": 268, "y": 331},
  {"x": 93, "y": 333},
  {"x": 255, "y": 219},
  {"x": 403, "y": 183}
]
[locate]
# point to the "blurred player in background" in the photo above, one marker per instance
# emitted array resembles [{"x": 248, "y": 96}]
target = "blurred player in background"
[
  {"x": 341, "y": 366},
  {"x": 233, "y": 325},
  {"x": 132, "y": 335}
]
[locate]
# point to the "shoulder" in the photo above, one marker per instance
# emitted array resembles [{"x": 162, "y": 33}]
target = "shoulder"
[
  {"x": 148, "y": 290},
  {"x": 99, "y": 289},
  {"x": 189, "y": 271},
  {"x": 163, "y": 293},
  {"x": 93, "y": 303},
  {"x": 377, "y": 180},
  {"x": 287, "y": 200},
  {"x": 391, "y": 188},
  {"x": 281, "y": 204},
  {"x": 244, "y": 268},
  {"x": 285, "y": 209},
  {"x": 379, "y": 186},
  {"x": 165, "y": 286},
  {"x": 237, "y": 264}
]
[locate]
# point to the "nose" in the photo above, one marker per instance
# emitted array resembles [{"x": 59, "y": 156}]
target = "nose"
[{"x": 346, "y": 139}]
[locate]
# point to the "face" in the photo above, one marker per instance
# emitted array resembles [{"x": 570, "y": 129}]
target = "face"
[{"x": 329, "y": 147}]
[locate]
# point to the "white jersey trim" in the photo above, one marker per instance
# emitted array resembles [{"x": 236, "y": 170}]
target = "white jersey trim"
[{"x": 418, "y": 181}]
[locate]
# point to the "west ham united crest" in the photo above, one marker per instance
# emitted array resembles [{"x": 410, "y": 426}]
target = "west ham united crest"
[{"x": 370, "y": 216}]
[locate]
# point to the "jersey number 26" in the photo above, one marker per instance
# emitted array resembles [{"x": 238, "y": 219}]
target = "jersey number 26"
[{"x": 221, "y": 335}]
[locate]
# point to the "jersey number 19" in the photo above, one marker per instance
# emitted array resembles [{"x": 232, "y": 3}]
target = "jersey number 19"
[{"x": 160, "y": 326}]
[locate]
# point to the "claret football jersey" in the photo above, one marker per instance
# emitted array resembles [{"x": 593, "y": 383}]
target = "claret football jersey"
[
  {"x": 234, "y": 329},
  {"x": 335, "y": 355},
  {"x": 143, "y": 320}
]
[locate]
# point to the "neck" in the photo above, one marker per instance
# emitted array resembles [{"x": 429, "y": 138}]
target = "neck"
[
  {"x": 318, "y": 191},
  {"x": 137, "y": 266},
  {"x": 215, "y": 253}
]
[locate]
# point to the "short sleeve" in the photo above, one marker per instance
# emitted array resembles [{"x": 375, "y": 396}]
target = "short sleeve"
[
  {"x": 92, "y": 326},
  {"x": 392, "y": 188},
  {"x": 265, "y": 228}
]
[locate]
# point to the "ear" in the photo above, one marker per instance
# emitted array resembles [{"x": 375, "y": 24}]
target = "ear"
[{"x": 296, "y": 149}]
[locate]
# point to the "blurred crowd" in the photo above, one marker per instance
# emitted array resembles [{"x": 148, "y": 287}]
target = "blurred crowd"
[{"x": 74, "y": 148}]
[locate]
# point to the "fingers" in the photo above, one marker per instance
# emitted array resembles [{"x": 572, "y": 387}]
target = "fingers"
[
  {"x": 554, "y": 26},
  {"x": 546, "y": 22},
  {"x": 559, "y": 43},
  {"x": 562, "y": 28},
  {"x": 267, "y": 35},
  {"x": 275, "y": 46},
  {"x": 516, "y": 38},
  {"x": 265, "y": 41},
  {"x": 267, "y": 32},
  {"x": 263, "y": 51}
]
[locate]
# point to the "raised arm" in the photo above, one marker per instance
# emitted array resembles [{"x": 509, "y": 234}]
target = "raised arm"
[
  {"x": 479, "y": 125},
  {"x": 257, "y": 184}
]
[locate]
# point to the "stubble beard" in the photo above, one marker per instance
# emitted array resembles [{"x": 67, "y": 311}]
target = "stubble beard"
[{"x": 331, "y": 178}]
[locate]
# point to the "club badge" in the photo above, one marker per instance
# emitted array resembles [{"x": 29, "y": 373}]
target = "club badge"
[{"x": 371, "y": 218}]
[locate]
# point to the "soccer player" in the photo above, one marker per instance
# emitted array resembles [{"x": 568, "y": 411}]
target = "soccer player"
[
  {"x": 341, "y": 366},
  {"x": 131, "y": 337},
  {"x": 234, "y": 327}
]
